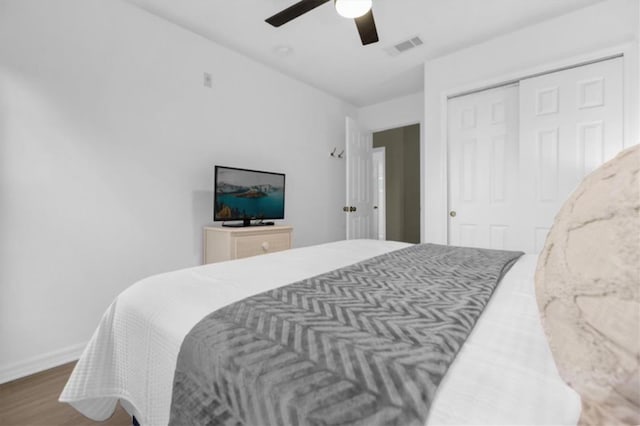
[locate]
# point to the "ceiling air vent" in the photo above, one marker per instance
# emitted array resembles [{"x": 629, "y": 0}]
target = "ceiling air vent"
[{"x": 403, "y": 46}]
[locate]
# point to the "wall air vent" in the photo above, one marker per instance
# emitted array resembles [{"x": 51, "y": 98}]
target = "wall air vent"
[{"x": 403, "y": 46}]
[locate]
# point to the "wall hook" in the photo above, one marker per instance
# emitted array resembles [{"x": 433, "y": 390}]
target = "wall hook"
[
  {"x": 333, "y": 153},
  {"x": 340, "y": 155}
]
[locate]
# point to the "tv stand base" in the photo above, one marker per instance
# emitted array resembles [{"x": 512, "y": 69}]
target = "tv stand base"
[{"x": 247, "y": 223}]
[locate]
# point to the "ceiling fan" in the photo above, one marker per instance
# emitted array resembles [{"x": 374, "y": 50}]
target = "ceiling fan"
[{"x": 359, "y": 10}]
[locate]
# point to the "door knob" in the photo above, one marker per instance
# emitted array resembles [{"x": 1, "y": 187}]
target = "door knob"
[{"x": 452, "y": 213}]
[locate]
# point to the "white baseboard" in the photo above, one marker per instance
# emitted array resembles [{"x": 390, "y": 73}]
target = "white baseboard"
[{"x": 40, "y": 363}]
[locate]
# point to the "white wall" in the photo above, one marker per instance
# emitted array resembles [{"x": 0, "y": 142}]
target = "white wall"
[
  {"x": 598, "y": 27},
  {"x": 398, "y": 112},
  {"x": 107, "y": 145}
]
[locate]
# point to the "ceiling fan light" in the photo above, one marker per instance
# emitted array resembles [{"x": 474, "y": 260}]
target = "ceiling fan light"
[{"x": 352, "y": 8}]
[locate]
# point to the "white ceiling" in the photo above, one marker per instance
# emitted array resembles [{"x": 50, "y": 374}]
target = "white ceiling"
[{"x": 327, "y": 52}]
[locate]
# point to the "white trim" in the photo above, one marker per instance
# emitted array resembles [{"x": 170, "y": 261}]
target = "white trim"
[
  {"x": 40, "y": 363},
  {"x": 423, "y": 184},
  {"x": 534, "y": 75},
  {"x": 631, "y": 124},
  {"x": 625, "y": 49},
  {"x": 444, "y": 160}
]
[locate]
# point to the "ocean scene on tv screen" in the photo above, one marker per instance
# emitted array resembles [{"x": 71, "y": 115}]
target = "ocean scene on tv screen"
[{"x": 243, "y": 194}]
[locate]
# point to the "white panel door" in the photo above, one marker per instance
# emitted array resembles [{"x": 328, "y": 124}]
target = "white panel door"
[
  {"x": 483, "y": 169},
  {"x": 359, "y": 177},
  {"x": 379, "y": 194},
  {"x": 571, "y": 122}
]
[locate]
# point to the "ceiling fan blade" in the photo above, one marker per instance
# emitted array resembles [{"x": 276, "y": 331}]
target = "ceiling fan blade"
[
  {"x": 292, "y": 12},
  {"x": 367, "y": 28}
]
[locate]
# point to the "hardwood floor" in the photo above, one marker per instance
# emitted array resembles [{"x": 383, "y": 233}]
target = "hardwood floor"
[{"x": 33, "y": 400}]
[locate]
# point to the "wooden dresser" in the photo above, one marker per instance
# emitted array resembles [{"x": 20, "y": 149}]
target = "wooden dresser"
[{"x": 221, "y": 243}]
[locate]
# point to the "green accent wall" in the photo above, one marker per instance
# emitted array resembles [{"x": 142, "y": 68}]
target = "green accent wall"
[{"x": 402, "y": 168}]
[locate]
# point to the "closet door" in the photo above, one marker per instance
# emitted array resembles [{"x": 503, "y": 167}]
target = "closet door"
[
  {"x": 483, "y": 169},
  {"x": 570, "y": 123}
]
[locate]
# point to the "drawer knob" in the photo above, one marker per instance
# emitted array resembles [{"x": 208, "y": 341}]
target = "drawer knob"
[{"x": 265, "y": 246}]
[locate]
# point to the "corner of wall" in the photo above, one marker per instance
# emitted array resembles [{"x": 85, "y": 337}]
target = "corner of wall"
[{"x": 40, "y": 363}]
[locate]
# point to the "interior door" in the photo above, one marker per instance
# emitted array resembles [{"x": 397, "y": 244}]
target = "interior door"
[
  {"x": 379, "y": 194},
  {"x": 516, "y": 153},
  {"x": 359, "y": 206},
  {"x": 571, "y": 122},
  {"x": 483, "y": 169}
]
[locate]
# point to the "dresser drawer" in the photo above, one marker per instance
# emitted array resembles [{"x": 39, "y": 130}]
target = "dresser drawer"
[
  {"x": 227, "y": 243},
  {"x": 252, "y": 245}
]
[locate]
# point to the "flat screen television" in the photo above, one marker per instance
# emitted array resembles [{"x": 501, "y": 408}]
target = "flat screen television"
[{"x": 246, "y": 195}]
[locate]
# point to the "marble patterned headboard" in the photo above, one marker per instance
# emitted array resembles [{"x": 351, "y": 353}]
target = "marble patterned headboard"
[{"x": 588, "y": 291}]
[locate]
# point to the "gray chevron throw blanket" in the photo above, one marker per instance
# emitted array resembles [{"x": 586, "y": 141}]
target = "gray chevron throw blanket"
[{"x": 367, "y": 344}]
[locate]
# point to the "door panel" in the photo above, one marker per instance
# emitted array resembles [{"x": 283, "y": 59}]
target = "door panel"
[
  {"x": 359, "y": 176},
  {"x": 517, "y": 153},
  {"x": 483, "y": 157},
  {"x": 571, "y": 123}
]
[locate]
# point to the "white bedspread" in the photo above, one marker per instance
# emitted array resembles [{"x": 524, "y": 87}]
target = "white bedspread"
[{"x": 504, "y": 374}]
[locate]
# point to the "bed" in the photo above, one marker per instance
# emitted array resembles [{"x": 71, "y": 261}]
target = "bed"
[{"x": 503, "y": 374}]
